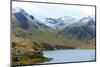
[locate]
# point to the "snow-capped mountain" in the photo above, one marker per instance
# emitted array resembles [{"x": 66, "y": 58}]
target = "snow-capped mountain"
[
  {"x": 84, "y": 29},
  {"x": 28, "y": 26},
  {"x": 20, "y": 10},
  {"x": 60, "y": 22},
  {"x": 86, "y": 19},
  {"x": 26, "y": 21},
  {"x": 55, "y": 23}
]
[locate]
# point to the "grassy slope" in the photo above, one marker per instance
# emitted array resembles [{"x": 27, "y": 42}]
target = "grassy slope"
[
  {"x": 38, "y": 39},
  {"x": 91, "y": 44}
]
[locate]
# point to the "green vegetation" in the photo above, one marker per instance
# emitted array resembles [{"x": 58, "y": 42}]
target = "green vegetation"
[
  {"x": 30, "y": 38},
  {"x": 27, "y": 49},
  {"x": 31, "y": 61},
  {"x": 22, "y": 55}
]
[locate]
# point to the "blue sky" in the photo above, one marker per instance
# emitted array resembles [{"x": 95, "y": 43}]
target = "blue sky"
[{"x": 41, "y": 10}]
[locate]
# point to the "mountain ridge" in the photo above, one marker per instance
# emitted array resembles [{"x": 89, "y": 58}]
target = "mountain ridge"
[{"x": 31, "y": 27}]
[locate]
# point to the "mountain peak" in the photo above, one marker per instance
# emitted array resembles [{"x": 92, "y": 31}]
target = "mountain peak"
[{"x": 17, "y": 9}]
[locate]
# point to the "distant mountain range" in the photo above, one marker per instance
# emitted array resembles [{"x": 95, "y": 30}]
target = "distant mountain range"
[
  {"x": 65, "y": 21},
  {"x": 84, "y": 29},
  {"x": 60, "y": 22},
  {"x": 67, "y": 28}
]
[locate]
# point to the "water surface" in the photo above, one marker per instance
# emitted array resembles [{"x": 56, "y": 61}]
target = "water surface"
[{"x": 74, "y": 55}]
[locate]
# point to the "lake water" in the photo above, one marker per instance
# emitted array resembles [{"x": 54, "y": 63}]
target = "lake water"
[{"x": 74, "y": 55}]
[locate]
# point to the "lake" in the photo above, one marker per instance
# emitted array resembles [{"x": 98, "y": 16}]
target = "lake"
[{"x": 70, "y": 55}]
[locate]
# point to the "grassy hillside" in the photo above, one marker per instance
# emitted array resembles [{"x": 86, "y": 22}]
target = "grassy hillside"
[
  {"x": 30, "y": 38},
  {"x": 28, "y": 47},
  {"x": 91, "y": 44}
]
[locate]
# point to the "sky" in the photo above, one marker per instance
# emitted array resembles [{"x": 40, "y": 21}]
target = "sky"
[{"x": 43, "y": 10}]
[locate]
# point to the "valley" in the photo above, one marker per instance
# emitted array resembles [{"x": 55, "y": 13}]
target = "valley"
[{"x": 30, "y": 36}]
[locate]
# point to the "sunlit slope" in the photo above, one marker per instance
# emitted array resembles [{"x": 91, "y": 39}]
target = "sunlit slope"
[{"x": 29, "y": 31}]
